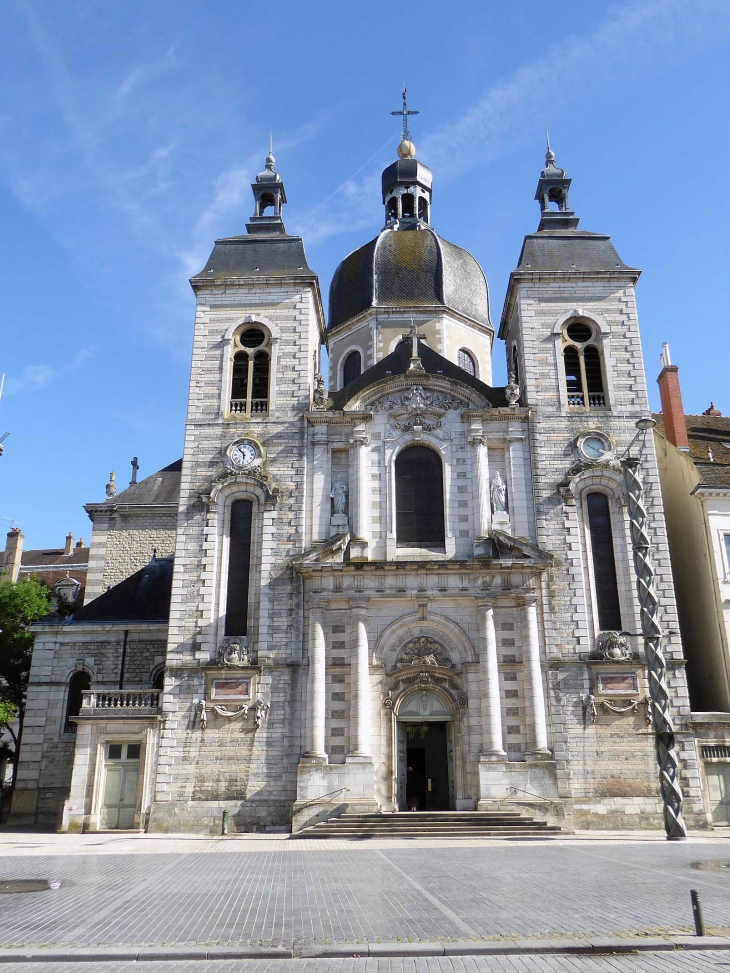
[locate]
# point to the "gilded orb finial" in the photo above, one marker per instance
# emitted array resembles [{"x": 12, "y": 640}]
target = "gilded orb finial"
[{"x": 406, "y": 149}]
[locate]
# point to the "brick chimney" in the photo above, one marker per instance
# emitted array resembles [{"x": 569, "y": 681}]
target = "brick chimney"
[
  {"x": 69, "y": 543},
  {"x": 675, "y": 425},
  {"x": 13, "y": 553}
]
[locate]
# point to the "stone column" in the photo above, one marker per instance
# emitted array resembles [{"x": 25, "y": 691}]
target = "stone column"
[
  {"x": 359, "y": 545},
  {"x": 491, "y": 709},
  {"x": 320, "y": 485},
  {"x": 516, "y": 481},
  {"x": 316, "y": 686},
  {"x": 482, "y": 504},
  {"x": 360, "y": 745},
  {"x": 534, "y": 689}
]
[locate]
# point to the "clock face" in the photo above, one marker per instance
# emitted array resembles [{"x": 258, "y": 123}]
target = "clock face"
[
  {"x": 243, "y": 454},
  {"x": 594, "y": 447}
]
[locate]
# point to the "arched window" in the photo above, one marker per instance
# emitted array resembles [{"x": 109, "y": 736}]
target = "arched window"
[
  {"x": 423, "y": 208},
  {"x": 515, "y": 365},
  {"x": 408, "y": 206},
  {"x": 266, "y": 202},
  {"x": 158, "y": 681},
  {"x": 467, "y": 362},
  {"x": 419, "y": 498},
  {"x": 583, "y": 366},
  {"x": 391, "y": 212},
  {"x": 351, "y": 368},
  {"x": 250, "y": 378},
  {"x": 80, "y": 682},
  {"x": 239, "y": 567},
  {"x": 605, "y": 583}
]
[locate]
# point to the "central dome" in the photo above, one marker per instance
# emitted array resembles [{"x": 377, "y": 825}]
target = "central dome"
[{"x": 404, "y": 267}]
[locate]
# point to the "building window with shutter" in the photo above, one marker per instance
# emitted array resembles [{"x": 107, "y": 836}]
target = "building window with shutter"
[{"x": 351, "y": 368}]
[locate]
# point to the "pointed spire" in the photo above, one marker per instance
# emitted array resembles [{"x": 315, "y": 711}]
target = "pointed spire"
[{"x": 549, "y": 155}]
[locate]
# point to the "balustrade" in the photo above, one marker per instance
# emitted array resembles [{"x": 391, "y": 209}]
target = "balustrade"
[
  {"x": 113, "y": 701},
  {"x": 259, "y": 407}
]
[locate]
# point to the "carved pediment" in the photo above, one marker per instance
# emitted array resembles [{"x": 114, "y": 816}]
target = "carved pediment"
[{"x": 423, "y": 651}]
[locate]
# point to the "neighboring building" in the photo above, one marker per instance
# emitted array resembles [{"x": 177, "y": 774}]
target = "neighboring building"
[
  {"x": 63, "y": 569},
  {"x": 412, "y": 589},
  {"x": 693, "y": 453}
]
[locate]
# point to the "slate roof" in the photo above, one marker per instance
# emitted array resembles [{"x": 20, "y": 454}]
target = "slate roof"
[
  {"x": 78, "y": 558},
  {"x": 257, "y": 255},
  {"x": 159, "y": 488},
  {"x": 396, "y": 363},
  {"x": 408, "y": 268},
  {"x": 142, "y": 597},
  {"x": 707, "y": 432},
  {"x": 569, "y": 250}
]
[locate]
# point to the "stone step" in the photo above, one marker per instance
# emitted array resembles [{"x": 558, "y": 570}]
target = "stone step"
[{"x": 430, "y": 824}]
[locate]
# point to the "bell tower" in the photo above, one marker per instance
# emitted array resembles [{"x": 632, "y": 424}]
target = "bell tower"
[{"x": 552, "y": 195}]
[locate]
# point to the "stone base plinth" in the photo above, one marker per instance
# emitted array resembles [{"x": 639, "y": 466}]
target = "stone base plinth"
[
  {"x": 526, "y": 786},
  {"x": 324, "y": 790}
]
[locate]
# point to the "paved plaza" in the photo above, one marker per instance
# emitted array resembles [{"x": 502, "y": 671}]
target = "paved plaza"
[
  {"x": 695, "y": 962},
  {"x": 134, "y": 891}
]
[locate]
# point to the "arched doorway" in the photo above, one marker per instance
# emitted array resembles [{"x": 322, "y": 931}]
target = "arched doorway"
[{"x": 425, "y": 753}]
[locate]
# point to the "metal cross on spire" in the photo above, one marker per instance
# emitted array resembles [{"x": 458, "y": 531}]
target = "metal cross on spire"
[{"x": 404, "y": 113}]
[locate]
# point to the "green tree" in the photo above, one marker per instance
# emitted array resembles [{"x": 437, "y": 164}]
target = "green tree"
[{"x": 21, "y": 604}]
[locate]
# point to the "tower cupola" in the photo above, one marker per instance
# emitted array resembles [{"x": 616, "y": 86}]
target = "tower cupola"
[
  {"x": 406, "y": 183},
  {"x": 269, "y": 198},
  {"x": 552, "y": 195}
]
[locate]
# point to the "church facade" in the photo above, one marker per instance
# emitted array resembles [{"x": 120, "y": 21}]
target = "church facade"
[{"x": 400, "y": 589}]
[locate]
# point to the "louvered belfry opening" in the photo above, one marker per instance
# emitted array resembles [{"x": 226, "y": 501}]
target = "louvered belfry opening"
[
  {"x": 604, "y": 564},
  {"x": 239, "y": 567},
  {"x": 419, "y": 498}
]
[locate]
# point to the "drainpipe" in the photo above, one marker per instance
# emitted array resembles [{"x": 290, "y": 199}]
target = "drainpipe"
[{"x": 124, "y": 659}]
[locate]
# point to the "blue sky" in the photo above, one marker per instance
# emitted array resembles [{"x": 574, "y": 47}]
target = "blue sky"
[{"x": 129, "y": 135}]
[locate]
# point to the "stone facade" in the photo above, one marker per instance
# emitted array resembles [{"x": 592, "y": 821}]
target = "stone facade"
[{"x": 486, "y": 622}]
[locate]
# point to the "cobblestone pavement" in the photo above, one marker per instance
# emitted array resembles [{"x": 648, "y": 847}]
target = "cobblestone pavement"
[
  {"x": 694, "y": 962},
  {"x": 273, "y": 892}
]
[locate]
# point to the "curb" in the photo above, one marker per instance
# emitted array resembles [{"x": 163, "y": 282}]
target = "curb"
[{"x": 535, "y": 947}]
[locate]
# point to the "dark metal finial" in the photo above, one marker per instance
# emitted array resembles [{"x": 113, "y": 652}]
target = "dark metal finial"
[
  {"x": 549, "y": 154},
  {"x": 404, "y": 113}
]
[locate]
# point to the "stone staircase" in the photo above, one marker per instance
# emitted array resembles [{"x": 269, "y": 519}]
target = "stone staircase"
[{"x": 431, "y": 824}]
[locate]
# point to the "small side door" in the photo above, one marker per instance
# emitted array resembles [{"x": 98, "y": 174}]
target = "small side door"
[
  {"x": 718, "y": 789},
  {"x": 121, "y": 780}
]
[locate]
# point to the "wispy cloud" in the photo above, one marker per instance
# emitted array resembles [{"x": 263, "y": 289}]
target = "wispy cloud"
[
  {"x": 34, "y": 377},
  {"x": 516, "y": 107}
]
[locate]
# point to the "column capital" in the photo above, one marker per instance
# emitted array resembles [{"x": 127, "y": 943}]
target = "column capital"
[
  {"x": 360, "y": 605},
  {"x": 484, "y": 604},
  {"x": 528, "y": 599}
]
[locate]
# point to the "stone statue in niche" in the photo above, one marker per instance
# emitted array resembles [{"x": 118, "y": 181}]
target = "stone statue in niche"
[
  {"x": 423, "y": 651},
  {"x": 498, "y": 490},
  {"x": 339, "y": 497},
  {"x": 320, "y": 395}
]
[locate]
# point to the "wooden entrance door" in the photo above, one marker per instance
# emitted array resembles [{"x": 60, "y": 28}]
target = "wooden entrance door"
[
  {"x": 121, "y": 780},
  {"x": 718, "y": 788}
]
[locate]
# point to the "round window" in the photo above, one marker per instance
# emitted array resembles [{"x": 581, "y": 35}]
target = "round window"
[
  {"x": 252, "y": 338},
  {"x": 579, "y": 332}
]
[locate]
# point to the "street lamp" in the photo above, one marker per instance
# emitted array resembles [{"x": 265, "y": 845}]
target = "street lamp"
[{"x": 660, "y": 715}]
